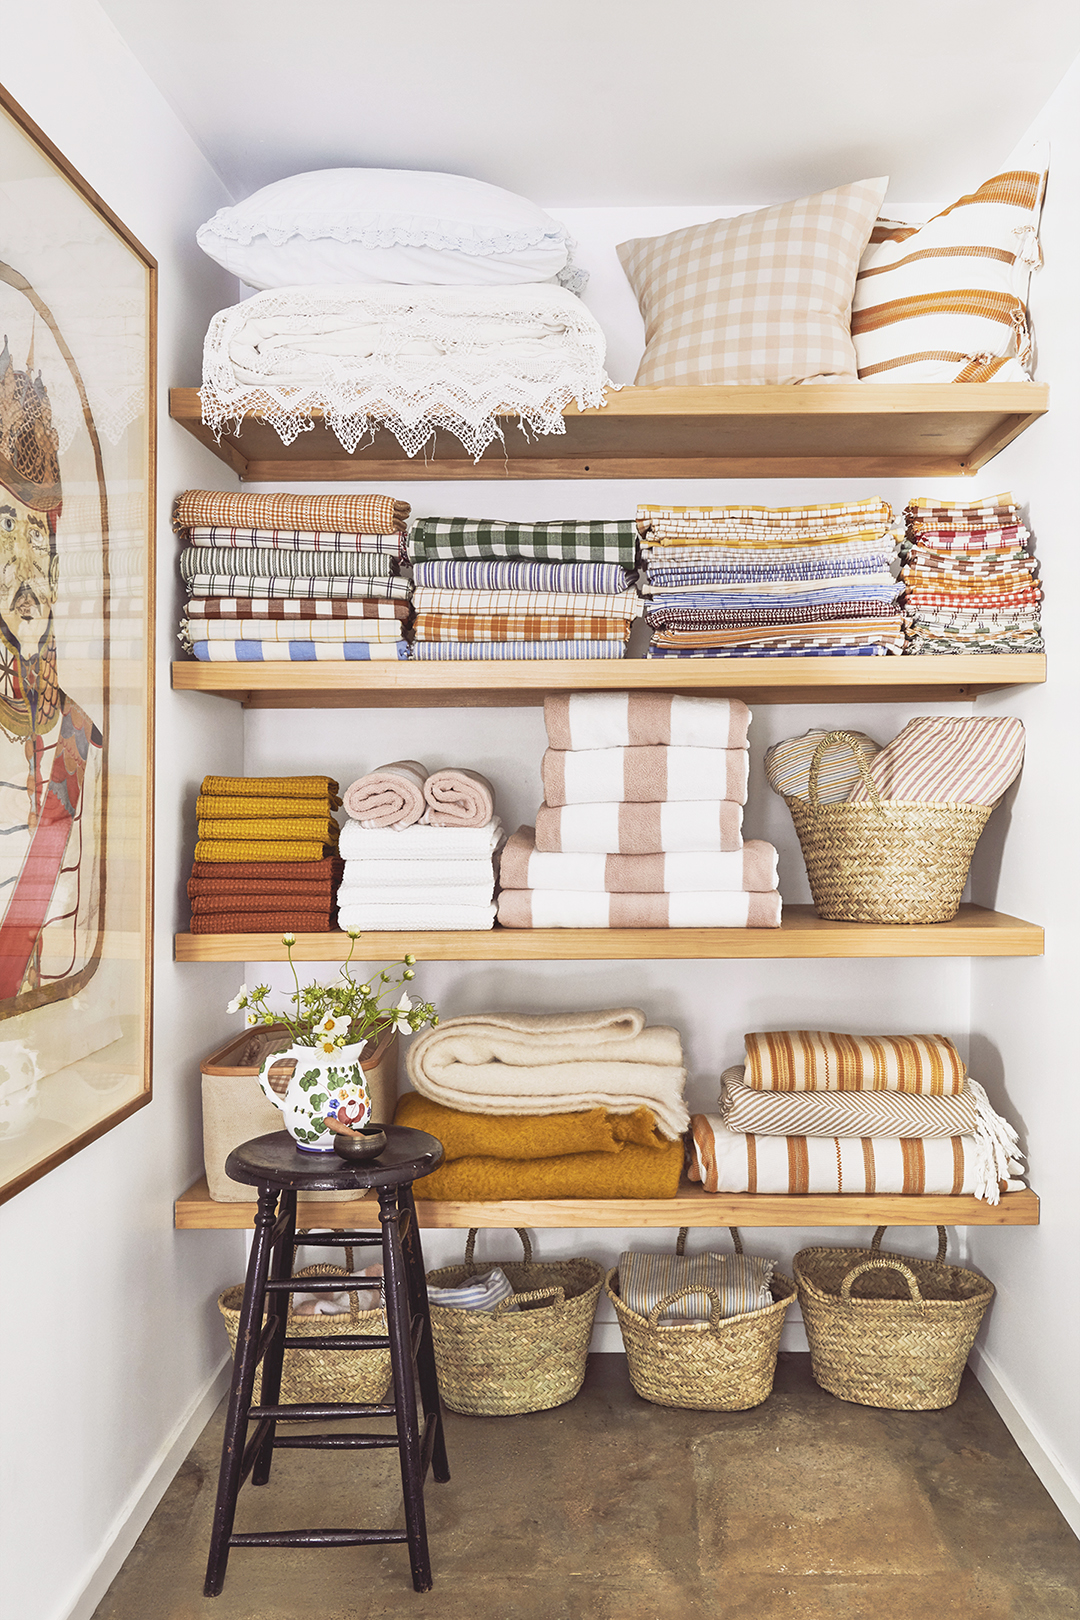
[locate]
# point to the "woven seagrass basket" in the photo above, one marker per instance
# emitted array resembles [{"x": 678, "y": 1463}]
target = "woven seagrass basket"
[
  {"x": 886, "y": 861},
  {"x": 496, "y": 1363},
  {"x": 362, "y": 1376},
  {"x": 902, "y": 1340},
  {"x": 724, "y": 1365}
]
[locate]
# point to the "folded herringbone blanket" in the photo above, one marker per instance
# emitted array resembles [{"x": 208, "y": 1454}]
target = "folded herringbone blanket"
[
  {"x": 821, "y": 1060},
  {"x": 526, "y": 1136},
  {"x": 636, "y": 1172},
  {"x": 523, "y": 866},
  {"x": 575, "y": 908},
  {"x": 389, "y": 796},
  {"x": 643, "y": 719},
  {"x": 639, "y": 829},
  {"x": 643, "y": 775},
  {"x": 553, "y": 1063}
]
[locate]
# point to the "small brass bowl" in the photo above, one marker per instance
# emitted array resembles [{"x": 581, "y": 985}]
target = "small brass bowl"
[{"x": 356, "y": 1149}]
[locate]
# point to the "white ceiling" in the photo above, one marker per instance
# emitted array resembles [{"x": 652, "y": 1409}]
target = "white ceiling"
[{"x": 593, "y": 102}]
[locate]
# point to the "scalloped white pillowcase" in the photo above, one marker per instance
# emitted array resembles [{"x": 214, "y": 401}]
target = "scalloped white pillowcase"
[
  {"x": 400, "y": 226},
  {"x": 761, "y": 298}
]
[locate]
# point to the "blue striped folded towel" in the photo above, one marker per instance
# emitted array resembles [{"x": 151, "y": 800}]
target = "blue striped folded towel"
[
  {"x": 478, "y": 1294},
  {"x": 741, "y": 1280}
]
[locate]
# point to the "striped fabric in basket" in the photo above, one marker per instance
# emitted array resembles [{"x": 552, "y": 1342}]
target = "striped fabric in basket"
[{"x": 741, "y": 1280}]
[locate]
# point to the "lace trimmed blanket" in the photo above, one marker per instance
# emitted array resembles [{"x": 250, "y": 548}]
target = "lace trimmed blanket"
[{"x": 411, "y": 360}]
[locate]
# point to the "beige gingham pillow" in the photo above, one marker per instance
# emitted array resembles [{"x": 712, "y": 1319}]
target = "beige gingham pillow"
[{"x": 761, "y": 298}]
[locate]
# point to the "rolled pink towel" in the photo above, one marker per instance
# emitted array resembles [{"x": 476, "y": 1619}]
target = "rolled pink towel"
[
  {"x": 459, "y": 798},
  {"x": 391, "y": 796}
]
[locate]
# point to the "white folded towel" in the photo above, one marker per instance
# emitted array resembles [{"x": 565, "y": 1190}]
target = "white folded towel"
[
  {"x": 388, "y": 873},
  {"x": 427, "y": 918},
  {"x": 435, "y": 893},
  {"x": 418, "y": 843}
]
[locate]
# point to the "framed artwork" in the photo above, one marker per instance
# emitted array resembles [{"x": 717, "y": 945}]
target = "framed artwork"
[{"x": 77, "y": 415}]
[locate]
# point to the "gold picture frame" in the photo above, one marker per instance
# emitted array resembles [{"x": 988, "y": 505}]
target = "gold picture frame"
[{"x": 78, "y": 305}]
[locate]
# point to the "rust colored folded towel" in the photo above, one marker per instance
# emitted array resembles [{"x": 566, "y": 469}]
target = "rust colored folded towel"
[
  {"x": 279, "y": 890},
  {"x": 523, "y": 866},
  {"x": 322, "y": 871},
  {"x": 646, "y": 775},
  {"x": 242, "y": 509},
  {"x": 641, "y": 719},
  {"x": 527, "y": 1136},
  {"x": 272, "y": 787},
  {"x": 262, "y": 922},
  {"x": 389, "y": 796},
  {"x": 578, "y": 908},
  {"x": 459, "y": 798},
  {"x": 635, "y": 1172},
  {"x": 306, "y": 902}
]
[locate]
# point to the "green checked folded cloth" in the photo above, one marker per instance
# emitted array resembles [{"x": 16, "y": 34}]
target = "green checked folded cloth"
[
  {"x": 741, "y": 1280},
  {"x": 567, "y": 541}
]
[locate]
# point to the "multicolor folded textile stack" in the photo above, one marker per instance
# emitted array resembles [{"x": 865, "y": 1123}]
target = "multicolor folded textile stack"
[
  {"x": 550, "y": 1105},
  {"x": 763, "y": 582},
  {"x": 266, "y": 861},
  {"x": 288, "y": 578},
  {"x": 411, "y": 874},
  {"x": 818, "y": 1112},
  {"x": 641, "y": 825},
  {"x": 486, "y": 590},
  {"x": 970, "y": 581}
]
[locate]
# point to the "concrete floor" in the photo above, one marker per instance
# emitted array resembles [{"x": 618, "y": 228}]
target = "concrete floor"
[{"x": 806, "y": 1508}]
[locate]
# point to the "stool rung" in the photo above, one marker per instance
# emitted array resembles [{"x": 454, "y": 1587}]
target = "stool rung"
[
  {"x": 346, "y": 1281},
  {"x": 314, "y": 1538},
  {"x": 344, "y": 1341},
  {"x": 338, "y": 1240},
  {"x": 309, "y": 1412},
  {"x": 335, "y": 1442}
]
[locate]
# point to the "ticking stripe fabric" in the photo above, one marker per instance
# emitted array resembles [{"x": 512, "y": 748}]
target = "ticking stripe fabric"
[
  {"x": 761, "y": 298},
  {"x": 736, "y": 1162},
  {"x": 822, "y": 1060},
  {"x": 390, "y": 545},
  {"x": 568, "y": 541},
  {"x": 948, "y": 759},
  {"x": 345, "y": 514},
  {"x": 195, "y": 560},
  {"x": 741, "y": 1280},
  {"x": 481, "y": 1293},
  {"x": 486, "y": 574},
  {"x": 787, "y": 766},
  {"x": 946, "y": 301}
]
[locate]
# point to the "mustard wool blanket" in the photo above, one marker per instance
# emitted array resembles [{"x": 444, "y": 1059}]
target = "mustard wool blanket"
[
  {"x": 526, "y": 1136},
  {"x": 553, "y": 1063},
  {"x": 636, "y": 1172}
]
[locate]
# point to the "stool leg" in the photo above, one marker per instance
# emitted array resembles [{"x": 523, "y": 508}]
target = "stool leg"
[
  {"x": 281, "y": 1269},
  {"x": 398, "y": 1316},
  {"x": 243, "y": 1382},
  {"x": 425, "y": 1359}
]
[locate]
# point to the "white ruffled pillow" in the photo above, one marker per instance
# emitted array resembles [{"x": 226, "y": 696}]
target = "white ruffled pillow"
[{"x": 399, "y": 226}]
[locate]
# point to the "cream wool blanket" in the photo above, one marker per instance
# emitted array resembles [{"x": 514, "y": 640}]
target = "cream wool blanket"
[{"x": 553, "y": 1063}]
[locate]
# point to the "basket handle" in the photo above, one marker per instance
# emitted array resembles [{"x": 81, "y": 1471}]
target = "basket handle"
[
  {"x": 942, "y": 1241},
  {"x": 470, "y": 1247},
  {"x": 882, "y": 1263},
  {"x": 558, "y": 1295},
  {"x": 680, "y": 1241},
  {"x": 855, "y": 745},
  {"x": 715, "y": 1306}
]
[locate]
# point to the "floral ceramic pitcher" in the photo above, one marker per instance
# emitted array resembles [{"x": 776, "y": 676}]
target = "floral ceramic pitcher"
[{"x": 310, "y": 1085}]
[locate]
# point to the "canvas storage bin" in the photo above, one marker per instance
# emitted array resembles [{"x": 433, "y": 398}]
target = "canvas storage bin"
[
  {"x": 495, "y": 1363},
  {"x": 235, "y": 1109},
  {"x": 889, "y": 1330},
  {"x": 726, "y": 1364},
  {"x": 886, "y": 861}
]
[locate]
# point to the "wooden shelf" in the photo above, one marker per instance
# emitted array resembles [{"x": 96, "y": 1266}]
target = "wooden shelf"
[
  {"x": 840, "y": 430},
  {"x": 925, "y": 678},
  {"x": 975, "y": 932},
  {"x": 196, "y": 1210}
]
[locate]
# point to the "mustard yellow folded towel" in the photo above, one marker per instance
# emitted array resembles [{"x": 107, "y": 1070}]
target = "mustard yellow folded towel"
[
  {"x": 263, "y": 849},
  {"x": 215, "y": 806},
  {"x": 273, "y": 827},
  {"x": 271, "y": 787},
  {"x": 634, "y": 1172},
  {"x": 527, "y": 1136}
]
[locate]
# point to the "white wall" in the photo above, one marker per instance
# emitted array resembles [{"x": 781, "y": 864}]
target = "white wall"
[{"x": 112, "y": 1339}]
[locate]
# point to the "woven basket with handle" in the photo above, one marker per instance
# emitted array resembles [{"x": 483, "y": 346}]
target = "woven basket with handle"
[
  {"x": 361, "y": 1376},
  {"x": 886, "y": 861},
  {"x": 495, "y": 1363},
  {"x": 889, "y": 1330},
  {"x": 726, "y": 1364}
]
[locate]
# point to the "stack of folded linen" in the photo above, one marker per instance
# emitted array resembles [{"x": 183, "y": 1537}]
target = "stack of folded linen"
[
  {"x": 641, "y": 825},
  {"x": 818, "y": 1112},
  {"x": 287, "y": 578},
  {"x": 971, "y": 584},
  {"x": 487, "y": 590},
  {"x": 553, "y": 1105},
  {"x": 265, "y": 861},
  {"x": 760, "y": 581},
  {"x": 419, "y": 849}
]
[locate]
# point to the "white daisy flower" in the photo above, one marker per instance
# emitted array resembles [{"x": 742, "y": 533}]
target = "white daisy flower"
[{"x": 239, "y": 1001}]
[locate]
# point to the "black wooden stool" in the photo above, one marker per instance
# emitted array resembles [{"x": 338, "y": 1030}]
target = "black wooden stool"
[{"x": 279, "y": 1170}]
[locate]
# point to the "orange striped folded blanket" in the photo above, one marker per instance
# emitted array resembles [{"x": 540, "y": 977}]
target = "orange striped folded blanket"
[{"x": 821, "y": 1060}]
